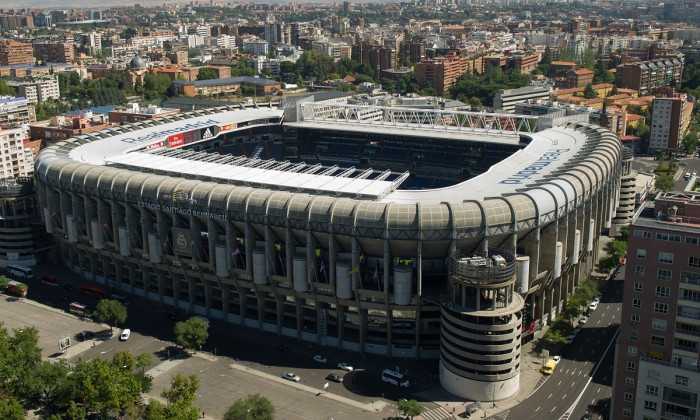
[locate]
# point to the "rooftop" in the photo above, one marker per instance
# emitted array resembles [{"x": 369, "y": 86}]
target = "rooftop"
[{"x": 228, "y": 80}]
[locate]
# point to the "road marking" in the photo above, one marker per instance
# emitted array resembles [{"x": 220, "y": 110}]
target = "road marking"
[
  {"x": 598, "y": 391},
  {"x": 537, "y": 409},
  {"x": 554, "y": 408},
  {"x": 618, "y": 309},
  {"x": 572, "y": 384},
  {"x": 563, "y": 396},
  {"x": 107, "y": 351},
  {"x": 550, "y": 396},
  {"x": 559, "y": 383}
]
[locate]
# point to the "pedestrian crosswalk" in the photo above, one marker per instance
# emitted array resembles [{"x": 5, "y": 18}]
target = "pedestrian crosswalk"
[{"x": 436, "y": 414}]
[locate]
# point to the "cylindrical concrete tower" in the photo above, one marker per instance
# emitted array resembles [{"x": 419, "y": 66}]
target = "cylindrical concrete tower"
[{"x": 481, "y": 327}]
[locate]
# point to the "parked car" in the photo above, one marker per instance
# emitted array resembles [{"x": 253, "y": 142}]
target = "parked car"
[
  {"x": 587, "y": 416},
  {"x": 282, "y": 348},
  {"x": 68, "y": 286},
  {"x": 335, "y": 378},
  {"x": 593, "y": 306},
  {"x": 291, "y": 377},
  {"x": 570, "y": 338},
  {"x": 126, "y": 333},
  {"x": 61, "y": 296},
  {"x": 345, "y": 366},
  {"x": 171, "y": 315},
  {"x": 557, "y": 358},
  {"x": 320, "y": 359},
  {"x": 583, "y": 320},
  {"x": 50, "y": 280}
]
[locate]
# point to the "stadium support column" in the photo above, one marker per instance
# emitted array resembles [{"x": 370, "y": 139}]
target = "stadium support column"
[
  {"x": 213, "y": 231},
  {"x": 230, "y": 246},
  {"x": 65, "y": 209},
  {"x": 117, "y": 220},
  {"x": 225, "y": 300},
  {"x": 531, "y": 243},
  {"x": 161, "y": 285},
  {"x": 289, "y": 248},
  {"x": 162, "y": 222},
  {"x": 332, "y": 259},
  {"x": 249, "y": 245},
  {"x": 146, "y": 228},
  {"x": 360, "y": 311},
  {"x": 387, "y": 269}
]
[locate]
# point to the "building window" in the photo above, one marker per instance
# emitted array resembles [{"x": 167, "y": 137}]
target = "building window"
[
  {"x": 652, "y": 390},
  {"x": 650, "y": 405},
  {"x": 642, "y": 234},
  {"x": 636, "y": 303},
  {"x": 654, "y": 374},
  {"x": 634, "y": 319},
  {"x": 665, "y": 257},
  {"x": 681, "y": 380},
  {"x": 628, "y": 396},
  {"x": 658, "y": 340},
  {"x": 658, "y": 324},
  {"x": 634, "y": 335},
  {"x": 663, "y": 291},
  {"x": 631, "y": 350},
  {"x": 667, "y": 237},
  {"x": 664, "y": 275},
  {"x": 660, "y": 308},
  {"x": 692, "y": 241},
  {"x": 631, "y": 366},
  {"x": 638, "y": 286},
  {"x": 642, "y": 254},
  {"x": 694, "y": 262},
  {"x": 627, "y": 412},
  {"x": 629, "y": 381},
  {"x": 639, "y": 270}
]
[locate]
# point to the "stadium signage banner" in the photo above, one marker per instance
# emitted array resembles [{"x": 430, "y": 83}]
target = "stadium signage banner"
[
  {"x": 183, "y": 211},
  {"x": 164, "y": 133},
  {"x": 182, "y": 242},
  {"x": 536, "y": 167},
  {"x": 176, "y": 141},
  {"x": 155, "y": 145},
  {"x": 228, "y": 127}
]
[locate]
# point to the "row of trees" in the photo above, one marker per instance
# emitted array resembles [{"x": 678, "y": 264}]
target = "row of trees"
[{"x": 575, "y": 303}]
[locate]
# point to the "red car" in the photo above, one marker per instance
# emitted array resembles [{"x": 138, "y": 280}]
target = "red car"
[{"x": 50, "y": 280}]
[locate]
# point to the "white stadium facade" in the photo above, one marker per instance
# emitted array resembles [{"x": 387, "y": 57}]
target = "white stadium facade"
[{"x": 408, "y": 233}]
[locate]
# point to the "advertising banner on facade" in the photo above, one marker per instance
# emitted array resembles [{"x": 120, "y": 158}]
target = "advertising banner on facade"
[
  {"x": 176, "y": 140},
  {"x": 182, "y": 242},
  {"x": 154, "y": 146}
]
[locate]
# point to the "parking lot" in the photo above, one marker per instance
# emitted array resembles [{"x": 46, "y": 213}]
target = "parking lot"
[{"x": 236, "y": 361}]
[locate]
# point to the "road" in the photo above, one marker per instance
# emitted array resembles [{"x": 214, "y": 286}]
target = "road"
[{"x": 568, "y": 392}]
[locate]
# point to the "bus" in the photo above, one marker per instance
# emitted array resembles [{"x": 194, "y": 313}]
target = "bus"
[
  {"x": 97, "y": 292},
  {"x": 20, "y": 271},
  {"x": 395, "y": 378},
  {"x": 79, "y": 309}
]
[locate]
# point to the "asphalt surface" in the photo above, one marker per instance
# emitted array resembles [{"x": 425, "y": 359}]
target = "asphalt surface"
[{"x": 582, "y": 381}]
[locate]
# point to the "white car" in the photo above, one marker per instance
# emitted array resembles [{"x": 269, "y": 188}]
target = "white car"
[
  {"x": 557, "y": 358},
  {"x": 570, "y": 338},
  {"x": 593, "y": 306},
  {"x": 345, "y": 366},
  {"x": 320, "y": 359},
  {"x": 583, "y": 320},
  {"x": 291, "y": 377},
  {"x": 126, "y": 333}
]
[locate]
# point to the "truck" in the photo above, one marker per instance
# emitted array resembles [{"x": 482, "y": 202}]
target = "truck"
[{"x": 17, "y": 288}]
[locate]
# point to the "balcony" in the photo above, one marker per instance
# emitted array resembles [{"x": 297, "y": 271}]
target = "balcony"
[
  {"x": 688, "y": 332},
  {"x": 685, "y": 314},
  {"x": 691, "y": 349},
  {"x": 690, "y": 368}
]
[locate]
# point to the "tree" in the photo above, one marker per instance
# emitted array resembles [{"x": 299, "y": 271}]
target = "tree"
[
  {"x": 205, "y": 73},
  {"x": 74, "y": 412},
  {"x": 10, "y": 408},
  {"x": 253, "y": 407},
  {"x": 589, "y": 93},
  {"x": 314, "y": 64},
  {"x": 182, "y": 388},
  {"x": 111, "y": 312},
  {"x": 21, "y": 362},
  {"x": 409, "y": 408},
  {"x": 664, "y": 183},
  {"x": 4, "y": 281},
  {"x": 106, "y": 386},
  {"x": 52, "y": 375},
  {"x": 143, "y": 360},
  {"x": 5, "y": 90},
  {"x": 554, "y": 337}
]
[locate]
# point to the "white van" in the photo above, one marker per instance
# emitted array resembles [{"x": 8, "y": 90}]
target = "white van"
[{"x": 126, "y": 333}]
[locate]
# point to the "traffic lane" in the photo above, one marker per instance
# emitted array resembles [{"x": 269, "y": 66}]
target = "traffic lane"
[
  {"x": 596, "y": 398},
  {"x": 107, "y": 346},
  {"x": 220, "y": 386}
]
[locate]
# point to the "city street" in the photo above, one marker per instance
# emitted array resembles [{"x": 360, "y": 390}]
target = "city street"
[{"x": 571, "y": 391}]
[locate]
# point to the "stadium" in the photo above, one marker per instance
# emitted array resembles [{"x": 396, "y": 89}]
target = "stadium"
[{"x": 428, "y": 234}]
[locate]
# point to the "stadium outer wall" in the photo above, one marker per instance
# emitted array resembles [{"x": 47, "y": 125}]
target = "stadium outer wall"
[{"x": 113, "y": 229}]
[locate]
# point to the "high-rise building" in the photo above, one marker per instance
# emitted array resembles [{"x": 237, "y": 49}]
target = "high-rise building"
[
  {"x": 14, "y": 162},
  {"x": 54, "y": 51},
  {"x": 414, "y": 51},
  {"x": 441, "y": 72},
  {"x": 656, "y": 373},
  {"x": 647, "y": 76},
  {"x": 669, "y": 120},
  {"x": 37, "y": 89},
  {"x": 13, "y": 52},
  {"x": 16, "y": 110}
]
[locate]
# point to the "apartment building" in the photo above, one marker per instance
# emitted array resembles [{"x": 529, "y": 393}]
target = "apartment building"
[
  {"x": 225, "y": 86},
  {"x": 441, "y": 72},
  {"x": 37, "y": 89},
  {"x": 646, "y": 76},
  {"x": 505, "y": 99},
  {"x": 413, "y": 51},
  {"x": 656, "y": 373},
  {"x": 669, "y": 121},
  {"x": 63, "y": 127},
  {"x": 14, "y": 160},
  {"x": 256, "y": 46},
  {"x": 54, "y": 51},
  {"x": 577, "y": 78},
  {"x": 16, "y": 111},
  {"x": 13, "y": 52}
]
